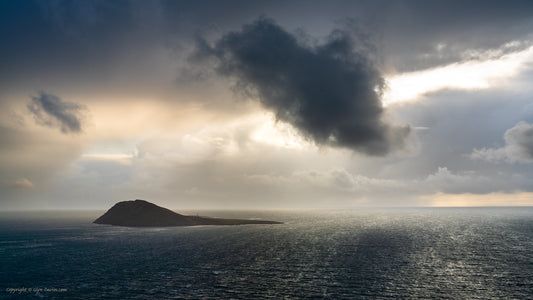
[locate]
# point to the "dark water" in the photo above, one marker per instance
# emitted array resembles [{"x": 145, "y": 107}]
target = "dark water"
[{"x": 371, "y": 254}]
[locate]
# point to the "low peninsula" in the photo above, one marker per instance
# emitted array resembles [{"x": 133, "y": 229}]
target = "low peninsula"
[{"x": 141, "y": 213}]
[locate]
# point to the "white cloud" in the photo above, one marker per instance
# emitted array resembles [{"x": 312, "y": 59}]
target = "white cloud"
[
  {"x": 447, "y": 182},
  {"x": 493, "y": 155},
  {"x": 21, "y": 183},
  {"x": 339, "y": 180},
  {"x": 518, "y": 146}
]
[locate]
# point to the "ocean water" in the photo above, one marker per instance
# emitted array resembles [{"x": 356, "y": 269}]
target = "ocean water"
[{"x": 454, "y": 253}]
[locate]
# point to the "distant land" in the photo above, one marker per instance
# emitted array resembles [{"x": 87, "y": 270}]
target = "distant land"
[{"x": 141, "y": 213}]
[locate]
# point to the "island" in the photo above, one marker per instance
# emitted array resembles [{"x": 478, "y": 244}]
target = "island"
[{"x": 141, "y": 213}]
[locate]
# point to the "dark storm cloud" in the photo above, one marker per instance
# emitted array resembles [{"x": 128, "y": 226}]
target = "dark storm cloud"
[
  {"x": 50, "y": 110},
  {"x": 330, "y": 92}
]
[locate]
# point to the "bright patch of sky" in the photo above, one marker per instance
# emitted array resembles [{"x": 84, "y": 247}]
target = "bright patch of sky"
[{"x": 472, "y": 74}]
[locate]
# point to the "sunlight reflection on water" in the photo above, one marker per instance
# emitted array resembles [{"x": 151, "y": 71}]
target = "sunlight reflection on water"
[{"x": 405, "y": 253}]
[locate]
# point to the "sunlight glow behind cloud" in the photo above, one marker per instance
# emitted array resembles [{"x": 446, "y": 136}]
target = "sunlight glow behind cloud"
[
  {"x": 124, "y": 159},
  {"x": 278, "y": 134},
  {"x": 226, "y": 139},
  {"x": 478, "y": 74},
  {"x": 491, "y": 199}
]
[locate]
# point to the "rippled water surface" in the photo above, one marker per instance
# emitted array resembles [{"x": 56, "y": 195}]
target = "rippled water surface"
[{"x": 458, "y": 253}]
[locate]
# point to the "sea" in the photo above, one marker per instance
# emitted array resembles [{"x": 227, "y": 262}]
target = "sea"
[{"x": 396, "y": 253}]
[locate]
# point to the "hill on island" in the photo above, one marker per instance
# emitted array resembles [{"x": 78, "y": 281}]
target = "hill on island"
[{"x": 141, "y": 213}]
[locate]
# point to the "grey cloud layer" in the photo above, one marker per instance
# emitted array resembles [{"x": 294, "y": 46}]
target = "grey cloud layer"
[
  {"x": 100, "y": 32},
  {"x": 329, "y": 92}
]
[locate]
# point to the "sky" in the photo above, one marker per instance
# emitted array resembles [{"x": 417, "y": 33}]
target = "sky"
[{"x": 266, "y": 104}]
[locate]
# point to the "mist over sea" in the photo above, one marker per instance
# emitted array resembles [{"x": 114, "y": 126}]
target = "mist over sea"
[{"x": 458, "y": 253}]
